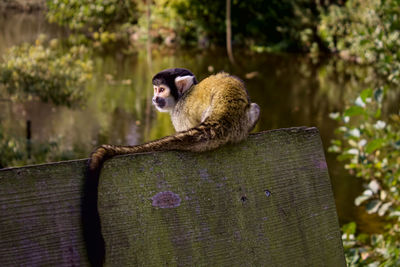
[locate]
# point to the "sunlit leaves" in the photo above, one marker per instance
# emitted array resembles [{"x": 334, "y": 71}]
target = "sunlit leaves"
[
  {"x": 362, "y": 198},
  {"x": 378, "y": 95},
  {"x": 384, "y": 208},
  {"x": 374, "y": 145},
  {"x": 45, "y": 71},
  {"x": 366, "y": 95},
  {"x": 106, "y": 18},
  {"x": 10, "y": 149},
  {"x": 79, "y": 14},
  {"x": 369, "y": 146},
  {"x": 373, "y": 206},
  {"x": 349, "y": 229},
  {"x": 368, "y": 30},
  {"x": 354, "y": 111}
]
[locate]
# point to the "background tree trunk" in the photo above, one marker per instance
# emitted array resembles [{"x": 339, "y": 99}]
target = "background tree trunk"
[{"x": 229, "y": 32}]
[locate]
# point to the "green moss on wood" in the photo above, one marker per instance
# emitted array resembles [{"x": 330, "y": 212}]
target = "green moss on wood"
[{"x": 224, "y": 217}]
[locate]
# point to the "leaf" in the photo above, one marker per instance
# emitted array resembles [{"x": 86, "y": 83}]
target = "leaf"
[
  {"x": 368, "y": 192},
  {"x": 354, "y": 111},
  {"x": 353, "y": 151},
  {"x": 374, "y": 186},
  {"x": 395, "y": 214},
  {"x": 363, "y": 237},
  {"x": 379, "y": 125},
  {"x": 384, "y": 208},
  {"x": 350, "y": 228},
  {"x": 360, "y": 199},
  {"x": 373, "y": 206},
  {"x": 378, "y": 113},
  {"x": 367, "y": 93},
  {"x": 374, "y": 145},
  {"x": 383, "y": 195},
  {"x": 355, "y": 132},
  {"x": 334, "y": 115},
  {"x": 397, "y": 145},
  {"x": 378, "y": 94},
  {"x": 339, "y": 142},
  {"x": 343, "y": 157},
  {"x": 362, "y": 143},
  {"x": 360, "y": 102},
  {"x": 334, "y": 149}
]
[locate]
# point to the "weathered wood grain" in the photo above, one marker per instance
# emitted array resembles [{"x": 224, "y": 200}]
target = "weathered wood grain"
[
  {"x": 40, "y": 221},
  {"x": 264, "y": 202}
]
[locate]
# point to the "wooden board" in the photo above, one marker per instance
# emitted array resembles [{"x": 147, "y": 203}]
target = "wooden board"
[
  {"x": 40, "y": 215},
  {"x": 264, "y": 202}
]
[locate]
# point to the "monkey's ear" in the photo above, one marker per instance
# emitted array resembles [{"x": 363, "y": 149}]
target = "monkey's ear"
[{"x": 183, "y": 83}]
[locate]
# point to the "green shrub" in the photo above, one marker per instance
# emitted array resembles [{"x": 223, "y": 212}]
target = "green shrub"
[
  {"x": 11, "y": 150},
  {"x": 45, "y": 71},
  {"x": 370, "y": 146},
  {"x": 104, "y": 21},
  {"x": 368, "y": 30}
]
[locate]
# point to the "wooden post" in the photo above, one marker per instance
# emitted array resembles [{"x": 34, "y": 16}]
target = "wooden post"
[
  {"x": 29, "y": 138},
  {"x": 264, "y": 202}
]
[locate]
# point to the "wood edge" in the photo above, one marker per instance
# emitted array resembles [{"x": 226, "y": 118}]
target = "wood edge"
[{"x": 258, "y": 134}]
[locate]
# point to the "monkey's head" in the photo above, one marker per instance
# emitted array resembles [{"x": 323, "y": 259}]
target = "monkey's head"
[{"x": 169, "y": 86}]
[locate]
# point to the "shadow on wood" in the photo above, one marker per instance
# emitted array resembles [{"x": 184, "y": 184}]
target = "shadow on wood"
[{"x": 264, "y": 202}]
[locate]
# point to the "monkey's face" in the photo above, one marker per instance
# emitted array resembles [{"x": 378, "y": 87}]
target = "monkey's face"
[{"x": 163, "y": 99}]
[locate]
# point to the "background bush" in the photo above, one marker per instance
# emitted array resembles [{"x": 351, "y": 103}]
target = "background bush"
[
  {"x": 45, "y": 71},
  {"x": 367, "y": 32}
]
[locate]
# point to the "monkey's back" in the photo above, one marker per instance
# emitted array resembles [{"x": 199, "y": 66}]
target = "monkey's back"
[{"x": 218, "y": 99}]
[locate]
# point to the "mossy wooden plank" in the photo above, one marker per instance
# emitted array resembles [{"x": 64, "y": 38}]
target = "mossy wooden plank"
[
  {"x": 40, "y": 215},
  {"x": 264, "y": 202}
]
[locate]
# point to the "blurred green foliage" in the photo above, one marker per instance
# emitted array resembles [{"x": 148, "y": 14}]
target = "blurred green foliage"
[
  {"x": 264, "y": 25},
  {"x": 11, "y": 150},
  {"x": 102, "y": 21},
  {"x": 17, "y": 151},
  {"x": 370, "y": 146},
  {"x": 367, "y": 32},
  {"x": 91, "y": 15},
  {"x": 252, "y": 21},
  {"x": 48, "y": 72},
  {"x": 45, "y": 71}
]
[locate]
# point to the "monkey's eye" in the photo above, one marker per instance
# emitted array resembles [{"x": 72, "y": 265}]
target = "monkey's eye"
[{"x": 161, "y": 90}]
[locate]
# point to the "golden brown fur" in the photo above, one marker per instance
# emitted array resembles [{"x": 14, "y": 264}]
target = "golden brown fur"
[{"x": 210, "y": 114}]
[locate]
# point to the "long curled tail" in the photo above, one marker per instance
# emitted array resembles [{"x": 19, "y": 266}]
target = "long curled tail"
[
  {"x": 204, "y": 137},
  {"x": 208, "y": 135}
]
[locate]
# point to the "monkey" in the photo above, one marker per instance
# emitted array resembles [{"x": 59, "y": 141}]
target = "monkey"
[{"x": 205, "y": 115}]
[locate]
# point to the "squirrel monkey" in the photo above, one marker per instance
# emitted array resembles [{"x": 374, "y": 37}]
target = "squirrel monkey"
[{"x": 206, "y": 115}]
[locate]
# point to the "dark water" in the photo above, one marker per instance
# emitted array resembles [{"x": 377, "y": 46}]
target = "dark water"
[{"x": 290, "y": 89}]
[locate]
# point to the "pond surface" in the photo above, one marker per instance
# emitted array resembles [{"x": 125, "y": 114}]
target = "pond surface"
[{"x": 290, "y": 89}]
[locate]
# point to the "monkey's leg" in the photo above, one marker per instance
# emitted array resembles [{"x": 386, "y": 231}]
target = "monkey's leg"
[{"x": 253, "y": 114}]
